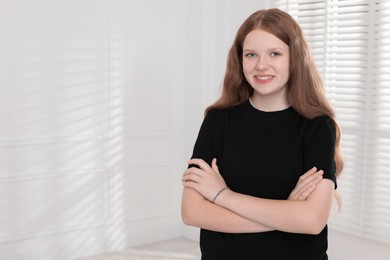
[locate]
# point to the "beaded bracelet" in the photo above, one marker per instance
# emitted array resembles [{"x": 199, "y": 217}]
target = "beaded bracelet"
[{"x": 219, "y": 192}]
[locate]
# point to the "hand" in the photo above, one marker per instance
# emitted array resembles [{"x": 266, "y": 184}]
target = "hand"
[
  {"x": 206, "y": 180},
  {"x": 306, "y": 184}
]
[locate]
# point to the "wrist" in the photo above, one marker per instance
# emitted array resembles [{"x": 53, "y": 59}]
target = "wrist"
[{"x": 219, "y": 194}]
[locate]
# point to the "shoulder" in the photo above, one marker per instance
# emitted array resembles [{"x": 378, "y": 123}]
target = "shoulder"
[
  {"x": 322, "y": 128},
  {"x": 324, "y": 123},
  {"x": 221, "y": 115}
]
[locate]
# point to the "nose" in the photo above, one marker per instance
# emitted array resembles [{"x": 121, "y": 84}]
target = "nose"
[{"x": 262, "y": 63}]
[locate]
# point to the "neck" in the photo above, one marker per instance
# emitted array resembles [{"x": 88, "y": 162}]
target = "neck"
[{"x": 268, "y": 105}]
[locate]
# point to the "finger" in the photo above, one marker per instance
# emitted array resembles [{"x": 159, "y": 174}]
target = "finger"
[
  {"x": 200, "y": 162},
  {"x": 214, "y": 165},
  {"x": 191, "y": 178},
  {"x": 307, "y": 192},
  {"x": 190, "y": 184},
  {"x": 309, "y": 177},
  {"x": 193, "y": 170},
  {"x": 315, "y": 178},
  {"x": 307, "y": 184},
  {"x": 306, "y": 189},
  {"x": 308, "y": 173}
]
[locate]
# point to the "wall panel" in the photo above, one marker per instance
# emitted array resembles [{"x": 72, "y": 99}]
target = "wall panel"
[
  {"x": 50, "y": 158},
  {"x": 153, "y": 119},
  {"x": 148, "y": 191},
  {"x": 149, "y": 107},
  {"x": 48, "y": 205}
]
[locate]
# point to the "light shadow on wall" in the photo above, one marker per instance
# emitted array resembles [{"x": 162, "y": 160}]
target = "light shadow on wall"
[{"x": 61, "y": 130}]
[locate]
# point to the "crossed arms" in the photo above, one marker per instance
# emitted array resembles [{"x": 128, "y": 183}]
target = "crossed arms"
[{"x": 305, "y": 211}]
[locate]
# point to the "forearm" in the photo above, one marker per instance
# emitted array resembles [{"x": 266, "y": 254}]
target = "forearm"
[
  {"x": 308, "y": 216},
  {"x": 278, "y": 214},
  {"x": 199, "y": 212}
]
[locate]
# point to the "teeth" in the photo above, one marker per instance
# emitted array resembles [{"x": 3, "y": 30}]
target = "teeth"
[{"x": 264, "y": 77}]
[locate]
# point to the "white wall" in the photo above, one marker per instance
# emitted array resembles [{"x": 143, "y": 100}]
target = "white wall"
[
  {"x": 346, "y": 246},
  {"x": 60, "y": 114},
  {"x": 90, "y": 125}
]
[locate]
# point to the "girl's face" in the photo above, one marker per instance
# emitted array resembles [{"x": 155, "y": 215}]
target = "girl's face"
[{"x": 266, "y": 68}]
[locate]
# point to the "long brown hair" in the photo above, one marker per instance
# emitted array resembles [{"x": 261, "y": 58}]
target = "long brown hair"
[{"x": 305, "y": 89}]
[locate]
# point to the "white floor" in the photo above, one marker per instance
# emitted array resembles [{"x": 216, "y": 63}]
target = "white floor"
[{"x": 175, "y": 249}]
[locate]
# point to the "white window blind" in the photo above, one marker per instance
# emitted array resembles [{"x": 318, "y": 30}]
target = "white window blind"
[{"x": 350, "y": 41}]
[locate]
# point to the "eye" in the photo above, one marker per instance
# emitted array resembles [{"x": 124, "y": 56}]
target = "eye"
[
  {"x": 250, "y": 55},
  {"x": 275, "y": 53}
]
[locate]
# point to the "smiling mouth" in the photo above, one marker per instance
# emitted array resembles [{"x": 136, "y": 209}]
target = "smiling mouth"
[{"x": 264, "y": 77}]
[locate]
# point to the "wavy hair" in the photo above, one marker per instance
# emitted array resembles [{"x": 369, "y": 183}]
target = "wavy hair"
[{"x": 305, "y": 89}]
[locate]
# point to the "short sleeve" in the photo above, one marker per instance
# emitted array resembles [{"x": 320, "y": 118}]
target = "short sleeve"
[
  {"x": 319, "y": 146},
  {"x": 204, "y": 147}
]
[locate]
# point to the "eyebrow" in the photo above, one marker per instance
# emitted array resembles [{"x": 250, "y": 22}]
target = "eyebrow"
[{"x": 272, "y": 49}]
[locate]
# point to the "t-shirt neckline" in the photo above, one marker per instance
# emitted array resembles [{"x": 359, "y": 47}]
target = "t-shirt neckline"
[{"x": 267, "y": 115}]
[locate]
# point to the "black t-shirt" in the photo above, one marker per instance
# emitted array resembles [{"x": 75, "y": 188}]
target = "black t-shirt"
[{"x": 263, "y": 154}]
